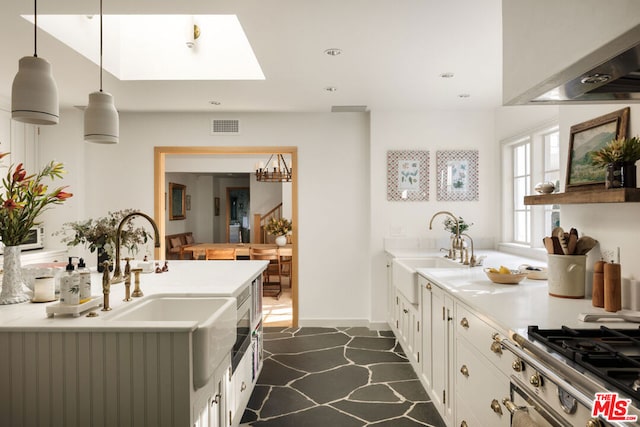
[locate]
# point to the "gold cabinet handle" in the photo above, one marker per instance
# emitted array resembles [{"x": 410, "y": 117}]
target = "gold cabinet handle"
[
  {"x": 594, "y": 422},
  {"x": 535, "y": 380},
  {"x": 496, "y": 347},
  {"x": 517, "y": 365},
  {"x": 405, "y": 311},
  {"x": 464, "y": 323},
  {"x": 464, "y": 371},
  {"x": 495, "y": 406},
  {"x": 243, "y": 386},
  {"x": 463, "y": 423},
  {"x": 428, "y": 286}
]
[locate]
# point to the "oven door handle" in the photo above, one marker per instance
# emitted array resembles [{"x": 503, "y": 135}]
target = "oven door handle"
[{"x": 546, "y": 372}]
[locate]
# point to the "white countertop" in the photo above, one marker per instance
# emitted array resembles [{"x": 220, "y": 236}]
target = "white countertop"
[
  {"x": 512, "y": 307},
  {"x": 218, "y": 278}
]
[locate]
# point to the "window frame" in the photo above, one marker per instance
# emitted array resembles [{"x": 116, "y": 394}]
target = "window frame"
[{"x": 537, "y": 172}]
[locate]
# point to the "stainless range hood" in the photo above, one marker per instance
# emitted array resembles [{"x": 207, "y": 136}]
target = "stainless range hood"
[{"x": 609, "y": 74}]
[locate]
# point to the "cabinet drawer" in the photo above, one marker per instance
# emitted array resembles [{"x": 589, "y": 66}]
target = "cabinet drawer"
[
  {"x": 480, "y": 335},
  {"x": 480, "y": 386}
]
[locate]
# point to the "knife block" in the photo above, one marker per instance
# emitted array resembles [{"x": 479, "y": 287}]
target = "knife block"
[{"x": 612, "y": 287}]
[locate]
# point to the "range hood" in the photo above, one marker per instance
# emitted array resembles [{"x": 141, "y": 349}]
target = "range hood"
[{"x": 609, "y": 74}]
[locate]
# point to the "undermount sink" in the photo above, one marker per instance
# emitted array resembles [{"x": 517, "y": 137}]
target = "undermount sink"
[
  {"x": 215, "y": 319},
  {"x": 405, "y": 277}
]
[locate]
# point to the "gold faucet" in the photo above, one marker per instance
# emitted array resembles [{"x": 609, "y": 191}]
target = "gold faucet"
[
  {"x": 456, "y": 242},
  {"x": 117, "y": 273},
  {"x": 471, "y": 262}
]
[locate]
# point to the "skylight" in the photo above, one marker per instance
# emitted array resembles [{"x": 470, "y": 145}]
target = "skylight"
[{"x": 154, "y": 47}]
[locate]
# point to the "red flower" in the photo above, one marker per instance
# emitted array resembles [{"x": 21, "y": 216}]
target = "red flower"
[
  {"x": 9, "y": 204},
  {"x": 19, "y": 174},
  {"x": 62, "y": 195}
]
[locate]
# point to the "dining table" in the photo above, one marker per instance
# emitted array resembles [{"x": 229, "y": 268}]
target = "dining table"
[{"x": 242, "y": 249}]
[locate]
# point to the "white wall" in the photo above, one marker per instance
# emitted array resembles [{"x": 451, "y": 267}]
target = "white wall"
[
  {"x": 428, "y": 130},
  {"x": 333, "y": 208}
]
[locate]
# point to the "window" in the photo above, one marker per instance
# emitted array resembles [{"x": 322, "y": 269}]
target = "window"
[{"x": 526, "y": 160}]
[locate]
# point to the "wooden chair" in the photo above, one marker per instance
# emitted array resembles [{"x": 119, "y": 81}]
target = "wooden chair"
[
  {"x": 285, "y": 268},
  {"x": 269, "y": 288},
  {"x": 221, "y": 253}
]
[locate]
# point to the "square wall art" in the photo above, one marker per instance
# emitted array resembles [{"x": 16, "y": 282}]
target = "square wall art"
[
  {"x": 457, "y": 175},
  {"x": 407, "y": 175}
]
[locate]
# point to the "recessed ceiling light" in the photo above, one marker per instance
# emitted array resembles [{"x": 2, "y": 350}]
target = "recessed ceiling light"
[
  {"x": 464, "y": 95},
  {"x": 447, "y": 75},
  {"x": 333, "y": 51},
  {"x": 331, "y": 88},
  {"x": 214, "y": 102}
]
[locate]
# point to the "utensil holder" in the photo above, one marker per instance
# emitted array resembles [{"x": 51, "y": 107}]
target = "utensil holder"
[{"x": 566, "y": 275}]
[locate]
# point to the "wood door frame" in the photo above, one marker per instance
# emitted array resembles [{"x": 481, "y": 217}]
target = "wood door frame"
[{"x": 159, "y": 168}]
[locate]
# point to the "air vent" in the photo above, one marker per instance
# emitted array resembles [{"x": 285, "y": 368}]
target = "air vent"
[{"x": 225, "y": 127}]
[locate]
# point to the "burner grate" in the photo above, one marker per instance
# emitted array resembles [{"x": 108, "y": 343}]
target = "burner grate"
[{"x": 611, "y": 354}]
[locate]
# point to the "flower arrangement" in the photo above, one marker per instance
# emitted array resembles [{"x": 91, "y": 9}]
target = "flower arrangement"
[
  {"x": 24, "y": 197},
  {"x": 278, "y": 226},
  {"x": 617, "y": 150},
  {"x": 450, "y": 225},
  {"x": 100, "y": 233}
]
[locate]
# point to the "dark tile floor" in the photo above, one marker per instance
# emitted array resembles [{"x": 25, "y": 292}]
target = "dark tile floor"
[{"x": 339, "y": 377}]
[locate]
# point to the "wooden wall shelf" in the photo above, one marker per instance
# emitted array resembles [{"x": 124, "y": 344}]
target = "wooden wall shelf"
[{"x": 617, "y": 195}]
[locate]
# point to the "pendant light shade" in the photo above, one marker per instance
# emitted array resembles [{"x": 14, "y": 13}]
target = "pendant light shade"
[
  {"x": 34, "y": 94},
  {"x": 101, "y": 122}
]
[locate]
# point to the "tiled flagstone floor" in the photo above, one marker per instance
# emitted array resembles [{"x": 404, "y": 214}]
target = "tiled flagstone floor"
[{"x": 340, "y": 377}]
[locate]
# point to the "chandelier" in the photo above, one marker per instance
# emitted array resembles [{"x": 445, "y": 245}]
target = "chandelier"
[{"x": 276, "y": 170}]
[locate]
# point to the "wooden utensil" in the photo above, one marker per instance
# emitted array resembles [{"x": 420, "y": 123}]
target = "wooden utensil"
[
  {"x": 548, "y": 244},
  {"x": 585, "y": 244},
  {"x": 573, "y": 242},
  {"x": 557, "y": 247}
]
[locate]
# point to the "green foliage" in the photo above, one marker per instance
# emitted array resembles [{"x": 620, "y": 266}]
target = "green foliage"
[{"x": 450, "y": 225}]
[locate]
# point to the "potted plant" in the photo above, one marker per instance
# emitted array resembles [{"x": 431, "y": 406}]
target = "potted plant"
[
  {"x": 22, "y": 199},
  {"x": 279, "y": 227},
  {"x": 99, "y": 234},
  {"x": 450, "y": 226},
  {"x": 618, "y": 157}
]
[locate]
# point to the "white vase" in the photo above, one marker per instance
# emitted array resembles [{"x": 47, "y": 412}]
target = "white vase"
[
  {"x": 14, "y": 289},
  {"x": 281, "y": 240}
]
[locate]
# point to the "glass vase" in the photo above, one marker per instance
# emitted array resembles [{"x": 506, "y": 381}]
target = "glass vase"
[
  {"x": 14, "y": 289},
  {"x": 620, "y": 174}
]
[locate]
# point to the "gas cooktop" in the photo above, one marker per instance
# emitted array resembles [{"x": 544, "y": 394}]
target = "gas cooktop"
[{"x": 611, "y": 354}]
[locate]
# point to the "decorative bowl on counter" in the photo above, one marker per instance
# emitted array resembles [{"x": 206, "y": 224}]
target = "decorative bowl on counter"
[
  {"x": 534, "y": 272},
  {"x": 512, "y": 278}
]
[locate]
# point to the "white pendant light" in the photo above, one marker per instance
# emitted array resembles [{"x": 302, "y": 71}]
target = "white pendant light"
[
  {"x": 101, "y": 121},
  {"x": 34, "y": 94}
]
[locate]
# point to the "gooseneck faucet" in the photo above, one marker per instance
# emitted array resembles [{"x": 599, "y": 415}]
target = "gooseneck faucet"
[
  {"x": 117, "y": 273},
  {"x": 455, "y": 243},
  {"x": 471, "y": 262}
]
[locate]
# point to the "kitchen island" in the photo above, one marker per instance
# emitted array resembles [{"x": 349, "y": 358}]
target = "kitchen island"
[{"x": 79, "y": 371}]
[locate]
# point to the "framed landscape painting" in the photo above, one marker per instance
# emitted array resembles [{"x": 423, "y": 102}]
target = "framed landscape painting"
[{"x": 588, "y": 137}]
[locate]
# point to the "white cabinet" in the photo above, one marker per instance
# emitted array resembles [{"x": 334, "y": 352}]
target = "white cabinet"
[
  {"x": 241, "y": 388},
  {"x": 407, "y": 320},
  {"x": 441, "y": 315},
  {"x": 481, "y": 371},
  {"x": 210, "y": 410}
]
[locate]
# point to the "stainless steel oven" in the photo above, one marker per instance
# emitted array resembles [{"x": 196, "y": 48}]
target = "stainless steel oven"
[{"x": 243, "y": 327}]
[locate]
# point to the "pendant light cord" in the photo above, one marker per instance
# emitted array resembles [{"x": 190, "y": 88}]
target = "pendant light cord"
[
  {"x": 100, "y": 45},
  {"x": 35, "y": 28}
]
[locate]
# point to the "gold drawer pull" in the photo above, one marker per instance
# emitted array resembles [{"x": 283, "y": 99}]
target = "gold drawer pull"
[
  {"x": 464, "y": 371},
  {"x": 495, "y": 405},
  {"x": 464, "y": 323},
  {"x": 517, "y": 365},
  {"x": 428, "y": 286},
  {"x": 496, "y": 347},
  {"x": 463, "y": 423}
]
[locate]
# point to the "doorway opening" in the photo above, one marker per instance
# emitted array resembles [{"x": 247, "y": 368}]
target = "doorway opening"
[{"x": 160, "y": 155}]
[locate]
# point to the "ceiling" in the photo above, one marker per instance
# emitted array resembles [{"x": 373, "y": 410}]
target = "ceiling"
[{"x": 394, "y": 53}]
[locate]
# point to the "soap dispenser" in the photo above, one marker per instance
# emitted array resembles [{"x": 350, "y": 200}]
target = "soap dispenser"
[
  {"x": 84, "y": 275},
  {"x": 70, "y": 285}
]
